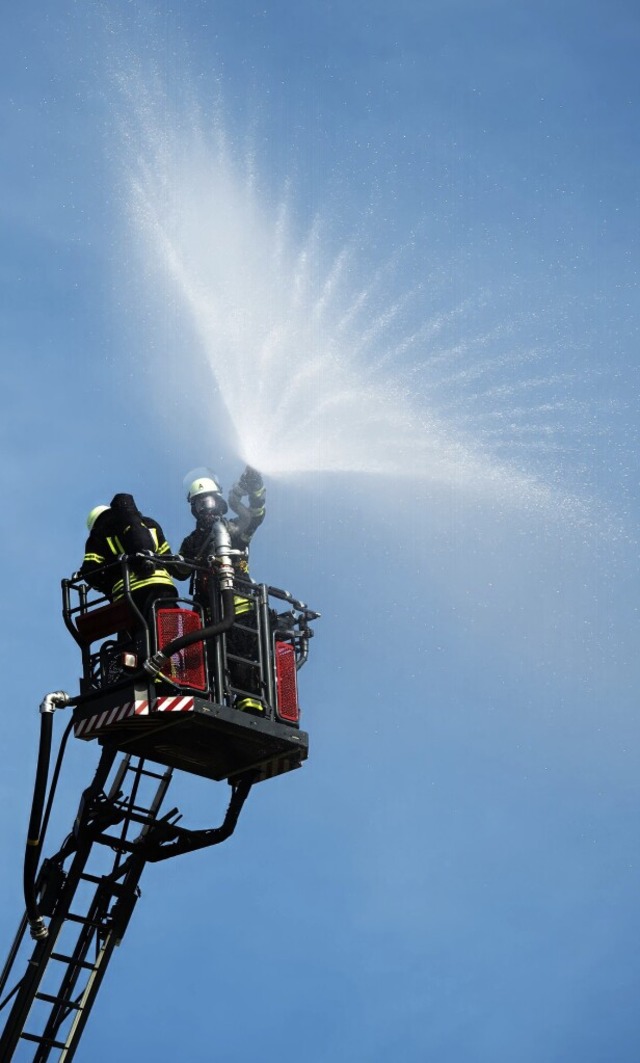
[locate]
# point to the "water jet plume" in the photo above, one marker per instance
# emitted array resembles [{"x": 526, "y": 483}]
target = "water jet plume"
[{"x": 319, "y": 367}]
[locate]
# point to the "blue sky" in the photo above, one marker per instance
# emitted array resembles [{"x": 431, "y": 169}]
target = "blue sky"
[{"x": 454, "y": 873}]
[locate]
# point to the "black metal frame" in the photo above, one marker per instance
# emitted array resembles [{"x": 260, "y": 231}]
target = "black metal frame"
[
  {"x": 81, "y": 898},
  {"x": 63, "y": 1013},
  {"x": 90, "y": 905},
  {"x": 81, "y": 604}
]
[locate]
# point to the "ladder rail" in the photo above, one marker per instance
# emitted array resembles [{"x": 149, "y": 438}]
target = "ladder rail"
[
  {"x": 106, "y": 913},
  {"x": 127, "y": 894},
  {"x": 89, "y": 932}
]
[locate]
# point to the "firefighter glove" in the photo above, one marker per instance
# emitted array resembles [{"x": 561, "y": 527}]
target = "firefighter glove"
[
  {"x": 251, "y": 481},
  {"x": 144, "y": 565}
]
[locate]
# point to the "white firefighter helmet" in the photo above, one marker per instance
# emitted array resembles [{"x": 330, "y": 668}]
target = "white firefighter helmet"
[
  {"x": 201, "y": 482},
  {"x": 94, "y": 514},
  {"x": 202, "y": 485}
]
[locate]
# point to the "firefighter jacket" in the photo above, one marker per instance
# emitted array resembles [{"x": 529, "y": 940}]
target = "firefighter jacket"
[{"x": 105, "y": 545}]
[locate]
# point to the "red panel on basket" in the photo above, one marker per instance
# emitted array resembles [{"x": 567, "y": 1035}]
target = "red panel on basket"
[
  {"x": 288, "y": 708},
  {"x": 187, "y": 666}
]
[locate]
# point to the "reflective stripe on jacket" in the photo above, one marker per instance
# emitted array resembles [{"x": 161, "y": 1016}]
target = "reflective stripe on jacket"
[{"x": 113, "y": 548}]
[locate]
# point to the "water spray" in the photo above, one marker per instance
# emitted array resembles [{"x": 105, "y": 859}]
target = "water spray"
[{"x": 320, "y": 367}]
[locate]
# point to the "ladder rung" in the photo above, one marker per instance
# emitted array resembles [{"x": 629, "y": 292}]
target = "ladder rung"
[
  {"x": 70, "y": 960},
  {"x": 101, "y": 880},
  {"x": 73, "y": 918},
  {"x": 131, "y": 811},
  {"x": 47, "y": 1041},
  {"x": 243, "y": 660},
  {"x": 57, "y": 1000},
  {"x": 149, "y": 774}
]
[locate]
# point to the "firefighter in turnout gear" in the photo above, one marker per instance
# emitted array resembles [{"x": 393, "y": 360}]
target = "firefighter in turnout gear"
[
  {"x": 207, "y": 506},
  {"x": 120, "y": 529}
]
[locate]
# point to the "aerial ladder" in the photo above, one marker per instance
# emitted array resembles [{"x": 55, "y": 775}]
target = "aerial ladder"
[{"x": 159, "y": 694}]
